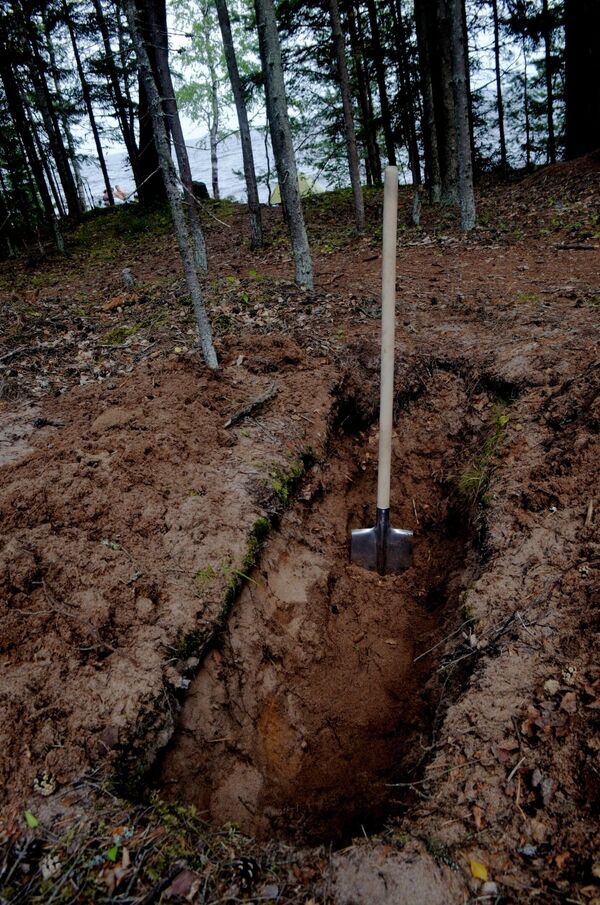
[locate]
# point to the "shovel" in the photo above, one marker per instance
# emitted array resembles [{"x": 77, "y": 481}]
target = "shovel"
[{"x": 382, "y": 548}]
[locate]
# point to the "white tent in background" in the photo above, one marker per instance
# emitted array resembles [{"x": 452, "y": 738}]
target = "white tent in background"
[{"x": 308, "y": 185}]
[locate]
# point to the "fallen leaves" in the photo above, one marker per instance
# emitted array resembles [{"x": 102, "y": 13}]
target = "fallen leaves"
[
  {"x": 185, "y": 886},
  {"x": 478, "y": 870},
  {"x": 569, "y": 702}
]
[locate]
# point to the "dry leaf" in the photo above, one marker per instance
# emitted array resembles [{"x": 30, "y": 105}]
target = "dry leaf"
[
  {"x": 562, "y": 859},
  {"x": 185, "y": 885},
  {"x": 478, "y": 816},
  {"x": 478, "y": 870},
  {"x": 569, "y": 702}
]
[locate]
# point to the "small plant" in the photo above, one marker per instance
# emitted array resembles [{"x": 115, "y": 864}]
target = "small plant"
[
  {"x": 524, "y": 297},
  {"x": 283, "y": 479},
  {"x": 203, "y": 579},
  {"x": 473, "y": 483},
  {"x": 118, "y": 336},
  {"x": 223, "y": 323}
]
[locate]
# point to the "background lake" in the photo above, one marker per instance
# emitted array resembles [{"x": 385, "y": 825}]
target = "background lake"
[{"x": 231, "y": 176}]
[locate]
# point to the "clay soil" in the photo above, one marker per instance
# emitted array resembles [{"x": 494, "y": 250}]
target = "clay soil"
[{"x": 187, "y": 654}]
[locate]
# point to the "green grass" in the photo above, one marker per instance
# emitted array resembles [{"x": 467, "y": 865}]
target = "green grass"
[{"x": 473, "y": 484}]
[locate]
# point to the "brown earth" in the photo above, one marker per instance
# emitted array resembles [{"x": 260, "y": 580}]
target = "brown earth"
[{"x": 448, "y": 714}]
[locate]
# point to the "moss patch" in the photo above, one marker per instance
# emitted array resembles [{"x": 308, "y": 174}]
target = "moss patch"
[{"x": 118, "y": 335}]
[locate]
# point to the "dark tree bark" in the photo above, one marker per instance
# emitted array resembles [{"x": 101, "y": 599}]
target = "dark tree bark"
[
  {"x": 171, "y": 186},
  {"x": 16, "y": 109},
  {"x": 119, "y": 99},
  {"x": 87, "y": 99},
  {"x": 45, "y": 160},
  {"x": 407, "y": 105},
  {"x": 443, "y": 24},
  {"x": 373, "y": 158},
  {"x": 340, "y": 52},
  {"x": 281, "y": 138},
  {"x": 122, "y": 39},
  {"x": 499, "y": 98},
  {"x": 526, "y": 112},
  {"x": 151, "y": 188},
  {"x": 582, "y": 77},
  {"x": 64, "y": 119},
  {"x": 440, "y": 61},
  {"x": 430, "y": 144},
  {"x": 386, "y": 116},
  {"x": 462, "y": 115},
  {"x": 547, "y": 33},
  {"x": 355, "y": 22},
  {"x": 37, "y": 68},
  {"x": 256, "y": 232}
]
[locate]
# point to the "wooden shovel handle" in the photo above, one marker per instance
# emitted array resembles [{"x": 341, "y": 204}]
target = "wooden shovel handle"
[{"x": 388, "y": 324}]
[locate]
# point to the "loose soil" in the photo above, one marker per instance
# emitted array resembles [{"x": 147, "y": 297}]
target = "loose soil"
[
  {"x": 313, "y": 706},
  {"x": 179, "y": 615}
]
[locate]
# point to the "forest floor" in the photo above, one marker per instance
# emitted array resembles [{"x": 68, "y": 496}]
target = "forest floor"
[{"x": 202, "y": 700}]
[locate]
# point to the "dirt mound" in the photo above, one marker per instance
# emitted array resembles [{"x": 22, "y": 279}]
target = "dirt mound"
[{"x": 114, "y": 549}]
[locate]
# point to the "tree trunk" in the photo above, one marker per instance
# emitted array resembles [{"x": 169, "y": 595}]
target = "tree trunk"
[
  {"x": 87, "y": 99},
  {"x": 338, "y": 40},
  {"x": 213, "y": 138},
  {"x": 582, "y": 77},
  {"x": 16, "y": 109},
  {"x": 407, "y": 105},
  {"x": 169, "y": 105},
  {"x": 151, "y": 188},
  {"x": 549, "y": 87},
  {"x": 256, "y": 232},
  {"x": 430, "y": 143},
  {"x": 281, "y": 138},
  {"x": 499, "y": 99},
  {"x": 121, "y": 36},
  {"x": 64, "y": 120},
  {"x": 36, "y": 69},
  {"x": 461, "y": 113},
  {"x": 526, "y": 110},
  {"x": 171, "y": 186},
  {"x": 386, "y": 117},
  {"x": 368, "y": 130},
  {"x": 440, "y": 61},
  {"x": 44, "y": 159},
  {"x": 119, "y": 100}
]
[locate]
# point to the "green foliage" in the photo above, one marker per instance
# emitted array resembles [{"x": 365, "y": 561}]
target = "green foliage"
[
  {"x": 203, "y": 579},
  {"x": 118, "y": 335},
  {"x": 282, "y": 480},
  {"x": 473, "y": 483}
]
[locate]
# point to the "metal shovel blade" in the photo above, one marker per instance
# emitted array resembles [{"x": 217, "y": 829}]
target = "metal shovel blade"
[{"x": 382, "y": 549}]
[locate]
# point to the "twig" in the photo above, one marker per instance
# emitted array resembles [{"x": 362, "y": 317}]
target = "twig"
[
  {"x": 8, "y": 355},
  {"x": 415, "y": 511},
  {"x": 514, "y": 769},
  {"x": 589, "y": 514},
  {"x": 252, "y": 406},
  {"x": 447, "y": 638}
]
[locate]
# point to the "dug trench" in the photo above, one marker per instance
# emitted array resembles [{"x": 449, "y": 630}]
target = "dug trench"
[{"x": 314, "y": 714}]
